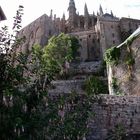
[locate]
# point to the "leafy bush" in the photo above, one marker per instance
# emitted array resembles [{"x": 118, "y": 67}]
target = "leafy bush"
[
  {"x": 95, "y": 86},
  {"x": 112, "y": 56},
  {"x": 118, "y": 133},
  {"x": 59, "y": 52}
]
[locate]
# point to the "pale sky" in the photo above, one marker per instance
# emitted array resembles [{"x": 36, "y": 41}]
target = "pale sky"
[{"x": 35, "y": 8}]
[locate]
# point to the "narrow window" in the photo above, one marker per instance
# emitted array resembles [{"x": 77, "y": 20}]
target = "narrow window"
[
  {"x": 50, "y": 32},
  {"x": 113, "y": 35},
  {"x": 113, "y": 41}
]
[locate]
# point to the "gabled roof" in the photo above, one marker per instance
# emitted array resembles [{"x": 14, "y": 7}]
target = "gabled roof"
[{"x": 2, "y": 15}]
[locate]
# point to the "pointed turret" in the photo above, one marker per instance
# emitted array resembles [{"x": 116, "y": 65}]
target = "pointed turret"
[
  {"x": 101, "y": 10},
  {"x": 86, "y": 10},
  {"x": 86, "y": 14},
  {"x": 71, "y": 3},
  {"x": 54, "y": 16},
  {"x": 93, "y": 18},
  {"x": 98, "y": 13},
  {"x": 72, "y": 14},
  {"x": 71, "y": 8},
  {"x": 51, "y": 13},
  {"x": 63, "y": 17},
  {"x": 112, "y": 14},
  {"x": 93, "y": 14},
  {"x": 63, "y": 23}
]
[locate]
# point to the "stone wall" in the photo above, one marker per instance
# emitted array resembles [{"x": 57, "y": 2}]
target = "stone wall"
[
  {"x": 115, "y": 110},
  {"x": 38, "y": 32},
  {"x": 90, "y": 47},
  {"x": 128, "y": 24},
  {"x": 76, "y": 77},
  {"x": 127, "y": 77},
  {"x": 109, "y": 34}
]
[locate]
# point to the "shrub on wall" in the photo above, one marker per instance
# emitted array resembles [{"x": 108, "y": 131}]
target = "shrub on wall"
[
  {"x": 112, "y": 55},
  {"x": 95, "y": 86}
]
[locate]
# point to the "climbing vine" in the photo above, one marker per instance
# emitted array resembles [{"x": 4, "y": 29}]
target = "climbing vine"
[
  {"x": 129, "y": 61},
  {"x": 112, "y": 55},
  {"x": 115, "y": 86}
]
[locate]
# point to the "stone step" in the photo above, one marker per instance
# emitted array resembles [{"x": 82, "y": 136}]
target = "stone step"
[{"x": 68, "y": 86}]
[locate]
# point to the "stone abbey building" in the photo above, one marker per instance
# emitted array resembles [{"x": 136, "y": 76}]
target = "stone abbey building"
[{"x": 96, "y": 33}]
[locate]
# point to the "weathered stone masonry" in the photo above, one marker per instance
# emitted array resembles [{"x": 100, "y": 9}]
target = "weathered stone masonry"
[{"x": 115, "y": 110}]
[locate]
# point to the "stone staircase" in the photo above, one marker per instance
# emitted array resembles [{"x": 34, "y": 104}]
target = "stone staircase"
[{"x": 77, "y": 75}]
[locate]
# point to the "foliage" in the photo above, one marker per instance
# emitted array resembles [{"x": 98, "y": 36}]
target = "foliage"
[
  {"x": 59, "y": 47},
  {"x": 112, "y": 55},
  {"x": 75, "y": 46},
  {"x": 130, "y": 40},
  {"x": 7, "y": 39},
  {"x": 27, "y": 110},
  {"x": 118, "y": 133},
  {"x": 115, "y": 86},
  {"x": 69, "y": 117},
  {"x": 114, "y": 83},
  {"x": 59, "y": 52},
  {"x": 94, "y": 86},
  {"x": 129, "y": 60}
]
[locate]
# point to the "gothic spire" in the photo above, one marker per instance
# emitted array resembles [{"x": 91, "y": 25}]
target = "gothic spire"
[
  {"x": 111, "y": 13},
  {"x": 51, "y": 13},
  {"x": 86, "y": 10},
  {"x": 63, "y": 17},
  {"x": 101, "y": 10},
  {"x": 93, "y": 13},
  {"x": 86, "y": 24},
  {"x": 71, "y": 4},
  {"x": 72, "y": 13}
]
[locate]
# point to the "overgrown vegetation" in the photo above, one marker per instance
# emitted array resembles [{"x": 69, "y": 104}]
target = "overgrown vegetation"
[
  {"x": 129, "y": 60},
  {"x": 115, "y": 86},
  {"x": 118, "y": 133},
  {"x": 114, "y": 83},
  {"x": 112, "y": 55},
  {"x": 68, "y": 118},
  {"x": 59, "y": 52},
  {"x": 95, "y": 86},
  {"x": 27, "y": 111}
]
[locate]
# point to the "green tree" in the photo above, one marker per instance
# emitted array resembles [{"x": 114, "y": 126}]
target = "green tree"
[
  {"x": 27, "y": 111},
  {"x": 59, "y": 52}
]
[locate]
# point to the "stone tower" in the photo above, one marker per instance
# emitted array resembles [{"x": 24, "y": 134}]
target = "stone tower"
[{"x": 72, "y": 14}]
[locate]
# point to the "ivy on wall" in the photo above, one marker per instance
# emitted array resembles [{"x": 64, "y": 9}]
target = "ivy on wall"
[{"x": 112, "y": 56}]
